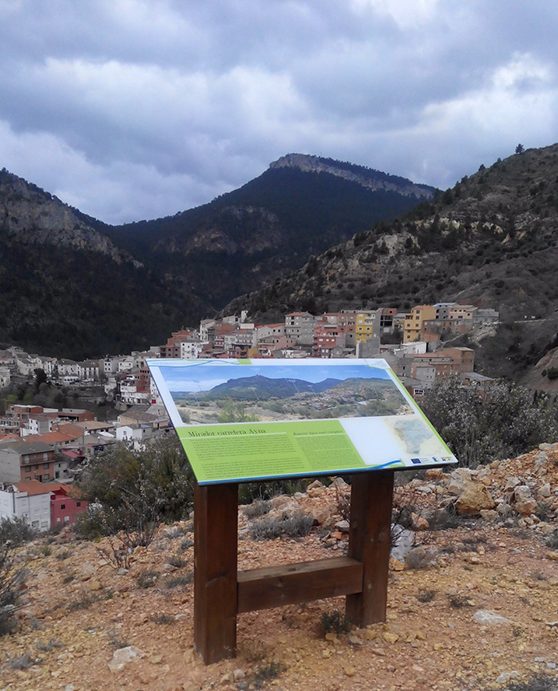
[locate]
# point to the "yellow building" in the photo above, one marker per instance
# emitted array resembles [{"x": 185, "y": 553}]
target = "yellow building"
[
  {"x": 412, "y": 325},
  {"x": 365, "y": 322}
]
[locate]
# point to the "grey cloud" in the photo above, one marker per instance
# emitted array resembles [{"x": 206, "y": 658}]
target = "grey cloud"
[{"x": 131, "y": 109}]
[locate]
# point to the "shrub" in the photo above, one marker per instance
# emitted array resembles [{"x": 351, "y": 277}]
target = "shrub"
[
  {"x": 176, "y": 561},
  {"x": 115, "y": 641},
  {"x": 458, "y": 601},
  {"x": 257, "y": 508},
  {"x": 131, "y": 494},
  {"x": 552, "y": 540},
  {"x": 538, "y": 682},
  {"x": 163, "y": 619},
  {"x": 269, "y": 527},
  {"x": 266, "y": 673},
  {"x": 64, "y": 554},
  {"x": 426, "y": 595},
  {"x": 16, "y": 531},
  {"x": 334, "y": 622},
  {"x": 49, "y": 646},
  {"x": 444, "y": 519},
  {"x": 250, "y": 491},
  {"x": 85, "y": 600},
  {"x": 177, "y": 581},
  {"x": 22, "y": 662},
  {"x": 134, "y": 491},
  {"x": 503, "y": 420},
  {"x": 147, "y": 579},
  {"x": 11, "y": 580}
]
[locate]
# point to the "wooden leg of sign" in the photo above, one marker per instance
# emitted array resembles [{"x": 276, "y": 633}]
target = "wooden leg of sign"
[
  {"x": 369, "y": 543},
  {"x": 215, "y": 571}
]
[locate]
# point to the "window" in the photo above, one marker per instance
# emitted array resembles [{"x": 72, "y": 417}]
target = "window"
[
  {"x": 45, "y": 465},
  {"x": 62, "y": 506},
  {"x": 78, "y": 503},
  {"x": 66, "y": 519}
]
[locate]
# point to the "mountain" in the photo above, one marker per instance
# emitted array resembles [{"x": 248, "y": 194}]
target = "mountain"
[
  {"x": 66, "y": 289},
  {"x": 260, "y": 387},
  {"x": 71, "y": 285},
  {"x": 491, "y": 240},
  {"x": 298, "y": 207}
]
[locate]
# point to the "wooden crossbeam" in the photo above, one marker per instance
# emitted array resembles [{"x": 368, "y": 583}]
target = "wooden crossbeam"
[{"x": 287, "y": 584}]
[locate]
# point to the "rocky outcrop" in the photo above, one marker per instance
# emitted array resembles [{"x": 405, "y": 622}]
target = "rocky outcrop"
[
  {"x": 30, "y": 216},
  {"x": 367, "y": 177}
]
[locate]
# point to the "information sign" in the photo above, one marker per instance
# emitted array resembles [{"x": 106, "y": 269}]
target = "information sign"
[{"x": 242, "y": 420}]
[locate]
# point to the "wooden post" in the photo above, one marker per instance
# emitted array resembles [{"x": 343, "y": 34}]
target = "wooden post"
[
  {"x": 369, "y": 543},
  {"x": 215, "y": 571}
]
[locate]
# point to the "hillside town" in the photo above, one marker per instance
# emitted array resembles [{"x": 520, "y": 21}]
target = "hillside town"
[{"x": 43, "y": 449}]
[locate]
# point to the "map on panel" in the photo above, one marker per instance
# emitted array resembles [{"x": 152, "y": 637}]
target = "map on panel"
[{"x": 241, "y": 420}]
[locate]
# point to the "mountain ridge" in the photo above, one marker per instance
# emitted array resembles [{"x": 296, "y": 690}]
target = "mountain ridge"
[
  {"x": 74, "y": 286},
  {"x": 491, "y": 240},
  {"x": 367, "y": 177}
]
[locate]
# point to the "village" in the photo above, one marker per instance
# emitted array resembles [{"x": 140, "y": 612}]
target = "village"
[{"x": 43, "y": 449}]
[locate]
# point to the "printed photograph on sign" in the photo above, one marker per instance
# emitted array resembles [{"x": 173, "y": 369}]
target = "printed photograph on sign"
[
  {"x": 241, "y": 420},
  {"x": 249, "y": 393}
]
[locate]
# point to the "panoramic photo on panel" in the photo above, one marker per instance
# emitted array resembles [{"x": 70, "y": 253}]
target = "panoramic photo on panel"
[{"x": 219, "y": 392}]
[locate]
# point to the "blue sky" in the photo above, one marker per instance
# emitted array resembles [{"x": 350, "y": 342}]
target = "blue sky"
[
  {"x": 132, "y": 109},
  {"x": 205, "y": 376}
]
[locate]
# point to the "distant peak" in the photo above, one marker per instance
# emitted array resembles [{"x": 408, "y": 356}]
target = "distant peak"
[
  {"x": 374, "y": 180},
  {"x": 294, "y": 160}
]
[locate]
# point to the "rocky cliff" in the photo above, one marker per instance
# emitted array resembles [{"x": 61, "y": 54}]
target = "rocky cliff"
[
  {"x": 31, "y": 216},
  {"x": 366, "y": 177}
]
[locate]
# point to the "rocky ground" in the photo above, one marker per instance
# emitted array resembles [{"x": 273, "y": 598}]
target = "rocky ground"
[{"x": 473, "y": 597}]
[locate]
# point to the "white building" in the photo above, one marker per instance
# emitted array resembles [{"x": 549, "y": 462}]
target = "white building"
[
  {"x": 68, "y": 368},
  {"x": 126, "y": 363},
  {"x": 190, "y": 350},
  {"x": 88, "y": 369},
  {"x": 29, "y": 500}
]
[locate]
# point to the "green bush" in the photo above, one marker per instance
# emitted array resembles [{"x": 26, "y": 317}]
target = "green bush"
[
  {"x": 16, "y": 531},
  {"x": 501, "y": 421},
  {"x": 334, "y": 622},
  {"x": 270, "y": 527},
  {"x": 11, "y": 580},
  {"x": 133, "y": 492}
]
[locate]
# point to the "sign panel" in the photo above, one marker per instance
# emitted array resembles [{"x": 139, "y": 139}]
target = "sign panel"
[{"x": 241, "y": 420}]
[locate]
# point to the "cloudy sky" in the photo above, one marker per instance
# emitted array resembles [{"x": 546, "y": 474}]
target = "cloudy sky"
[{"x": 133, "y": 109}]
